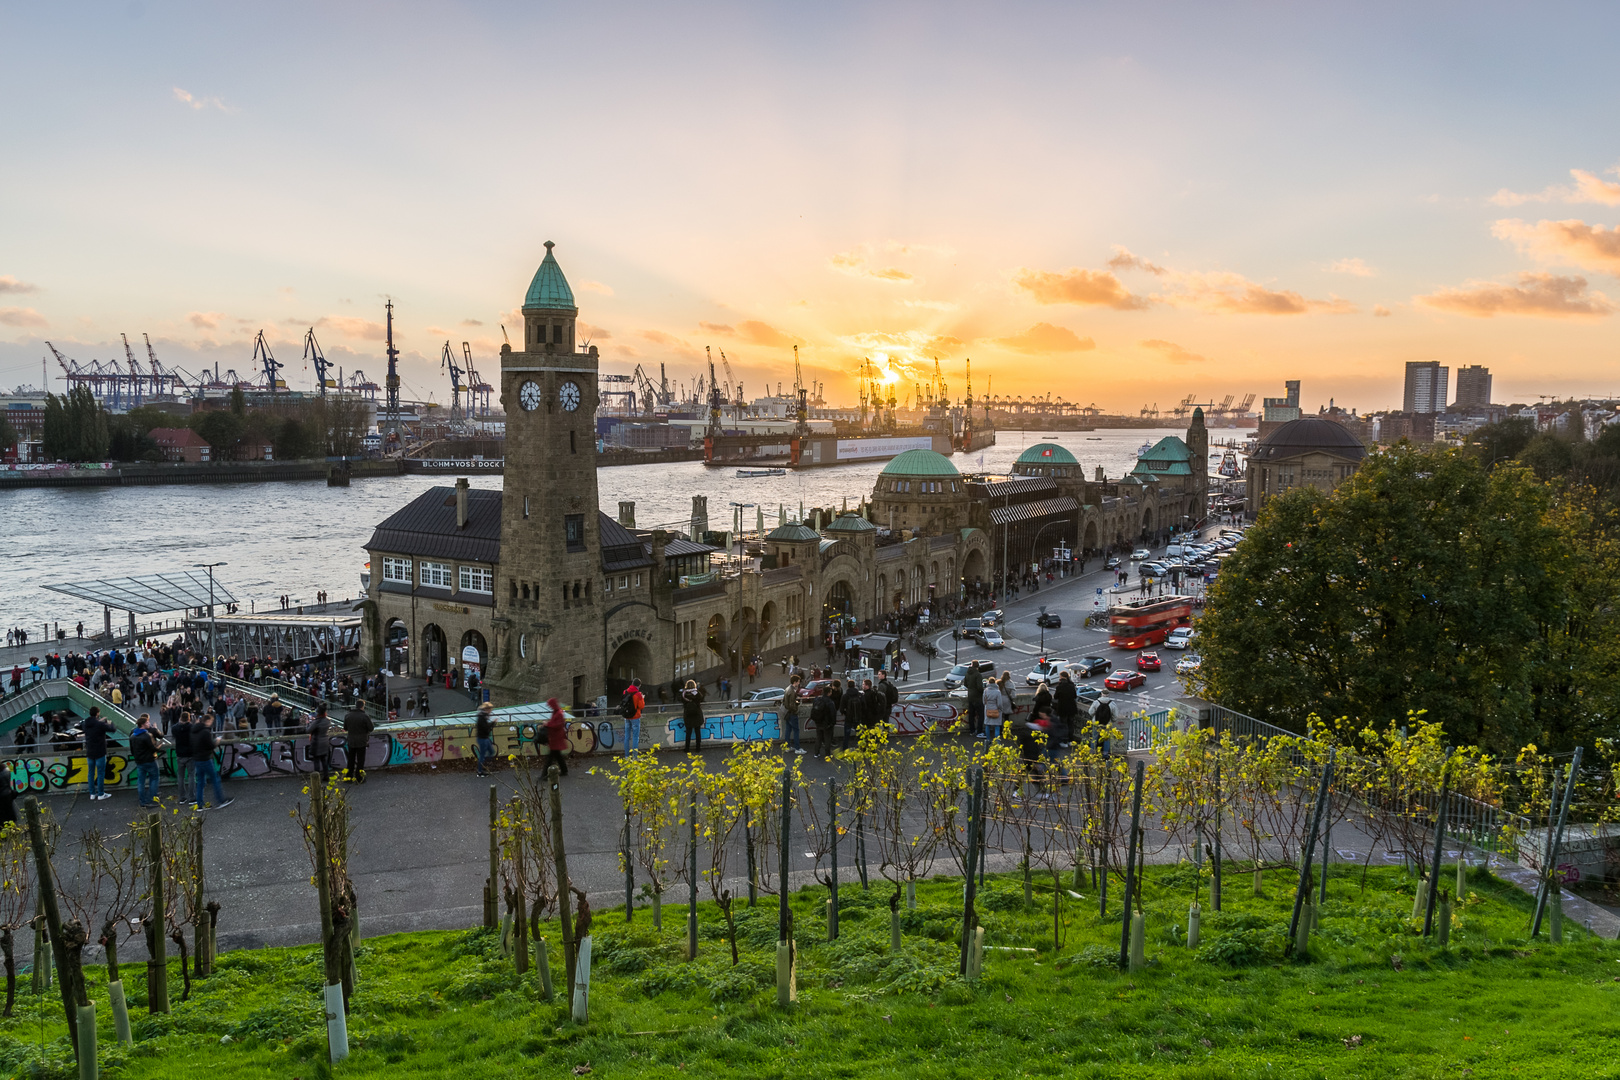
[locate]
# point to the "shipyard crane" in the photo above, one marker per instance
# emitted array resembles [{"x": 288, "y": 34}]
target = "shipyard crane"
[
  {"x": 715, "y": 400},
  {"x": 391, "y": 418},
  {"x": 801, "y": 402},
  {"x": 1184, "y": 407},
  {"x": 1243, "y": 409},
  {"x": 272, "y": 366},
  {"x": 164, "y": 380},
  {"x": 313, "y": 355},
  {"x": 1222, "y": 408},
  {"x": 137, "y": 377},
  {"x": 645, "y": 388},
  {"x": 447, "y": 359},
  {"x": 1151, "y": 411},
  {"x": 478, "y": 390},
  {"x": 731, "y": 380},
  {"x": 359, "y": 384}
]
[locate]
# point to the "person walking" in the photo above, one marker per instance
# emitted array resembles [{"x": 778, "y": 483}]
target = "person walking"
[
  {"x": 853, "y": 706},
  {"x": 143, "y": 748},
  {"x": 891, "y": 695},
  {"x": 357, "y": 727},
  {"x": 557, "y": 738},
  {"x": 203, "y": 768},
  {"x": 320, "y": 742},
  {"x": 973, "y": 681},
  {"x": 790, "y": 715},
  {"x": 905, "y": 668},
  {"x": 273, "y": 711},
  {"x": 631, "y": 708},
  {"x": 95, "y": 731},
  {"x": 995, "y": 710},
  {"x": 692, "y": 714},
  {"x": 484, "y": 737}
]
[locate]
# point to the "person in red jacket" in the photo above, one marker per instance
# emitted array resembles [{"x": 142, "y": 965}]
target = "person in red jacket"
[{"x": 557, "y": 738}]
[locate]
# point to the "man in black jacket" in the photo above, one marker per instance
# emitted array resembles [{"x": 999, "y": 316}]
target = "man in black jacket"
[
  {"x": 974, "y": 682},
  {"x": 853, "y": 707},
  {"x": 203, "y": 768},
  {"x": 357, "y": 728},
  {"x": 824, "y": 715},
  {"x": 320, "y": 742},
  {"x": 875, "y": 706},
  {"x": 95, "y": 749},
  {"x": 890, "y": 692},
  {"x": 143, "y": 748}
]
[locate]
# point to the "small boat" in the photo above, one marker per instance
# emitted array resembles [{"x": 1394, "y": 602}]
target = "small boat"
[
  {"x": 1229, "y": 464},
  {"x": 750, "y": 474},
  {"x": 1144, "y": 448},
  {"x": 1093, "y": 438}
]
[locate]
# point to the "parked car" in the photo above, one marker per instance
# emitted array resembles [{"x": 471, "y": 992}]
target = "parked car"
[
  {"x": 1148, "y": 661},
  {"x": 1153, "y": 569},
  {"x": 1139, "y": 554},
  {"x": 1189, "y": 664},
  {"x": 813, "y": 688},
  {"x": 959, "y": 672},
  {"x": 1046, "y": 671},
  {"x": 1112, "y": 563},
  {"x": 1049, "y": 619},
  {"x": 767, "y": 693},
  {"x": 1089, "y": 667},
  {"x": 991, "y": 639},
  {"x": 1179, "y": 637},
  {"x": 1125, "y": 680}
]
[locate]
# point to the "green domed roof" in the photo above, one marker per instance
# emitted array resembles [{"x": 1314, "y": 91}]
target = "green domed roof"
[
  {"x": 549, "y": 289},
  {"x": 920, "y": 463},
  {"x": 792, "y": 532},
  {"x": 1046, "y": 453},
  {"x": 854, "y": 522}
]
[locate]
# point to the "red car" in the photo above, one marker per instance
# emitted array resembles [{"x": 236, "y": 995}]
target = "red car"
[
  {"x": 1125, "y": 680},
  {"x": 1148, "y": 661}
]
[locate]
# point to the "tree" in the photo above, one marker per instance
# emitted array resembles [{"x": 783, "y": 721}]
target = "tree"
[
  {"x": 75, "y": 426},
  {"x": 8, "y": 433},
  {"x": 220, "y": 430},
  {"x": 1423, "y": 583},
  {"x": 1502, "y": 441}
]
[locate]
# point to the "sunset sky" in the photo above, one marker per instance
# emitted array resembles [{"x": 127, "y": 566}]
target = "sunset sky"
[{"x": 1117, "y": 204}]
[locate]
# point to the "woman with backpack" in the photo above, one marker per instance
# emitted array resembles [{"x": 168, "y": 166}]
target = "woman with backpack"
[{"x": 692, "y": 714}]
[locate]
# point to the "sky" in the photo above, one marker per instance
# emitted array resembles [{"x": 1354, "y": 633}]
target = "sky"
[{"x": 1124, "y": 205}]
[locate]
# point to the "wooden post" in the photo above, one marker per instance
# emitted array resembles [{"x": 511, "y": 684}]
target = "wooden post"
[
  {"x": 629, "y": 874},
  {"x": 46, "y": 878},
  {"x": 564, "y": 902},
  {"x": 157, "y": 967},
  {"x": 1554, "y": 843},
  {"x": 1130, "y": 871},
  {"x": 692, "y": 881},
  {"x": 492, "y": 887},
  {"x": 975, "y": 802},
  {"x": 832, "y": 898},
  {"x": 1302, "y": 892}
]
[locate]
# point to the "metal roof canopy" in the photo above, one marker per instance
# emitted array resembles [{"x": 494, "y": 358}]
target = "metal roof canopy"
[{"x": 148, "y": 594}]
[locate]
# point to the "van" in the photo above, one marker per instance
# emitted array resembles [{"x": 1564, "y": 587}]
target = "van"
[
  {"x": 1174, "y": 551},
  {"x": 986, "y": 667}
]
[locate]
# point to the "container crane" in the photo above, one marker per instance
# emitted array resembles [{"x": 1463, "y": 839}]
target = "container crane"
[
  {"x": 478, "y": 390},
  {"x": 448, "y": 360},
  {"x": 164, "y": 381},
  {"x": 137, "y": 377},
  {"x": 272, "y": 366},
  {"x": 359, "y": 384},
  {"x": 313, "y": 355}
]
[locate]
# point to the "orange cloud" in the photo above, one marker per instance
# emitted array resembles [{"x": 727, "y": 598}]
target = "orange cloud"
[
  {"x": 1588, "y": 188},
  {"x": 1381, "y": 311},
  {"x": 1233, "y": 294},
  {"x": 1541, "y": 295},
  {"x": 9, "y": 284},
  {"x": 1123, "y": 259},
  {"x": 355, "y": 327},
  {"x": 1098, "y": 288},
  {"x": 1571, "y": 242},
  {"x": 667, "y": 341},
  {"x": 1170, "y": 351},
  {"x": 1351, "y": 266},
  {"x": 205, "y": 320},
  {"x": 596, "y": 287},
  {"x": 587, "y": 332},
  {"x": 472, "y": 322},
  {"x": 754, "y": 332},
  {"x": 855, "y": 262},
  {"x": 22, "y": 316},
  {"x": 1046, "y": 338}
]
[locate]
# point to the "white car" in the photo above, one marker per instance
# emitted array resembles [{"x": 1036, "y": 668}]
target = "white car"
[
  {"x": 1179, "y": 637},
  {"x": 769, "y": 693},
  {"x": 1188, "y": 664},
  {"x": 1139, "y": 554},
  {"x": 991, "y": 639},
  {"x": 1046, "y": 671}
]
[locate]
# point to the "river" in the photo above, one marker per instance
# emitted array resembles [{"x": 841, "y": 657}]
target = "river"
[{"x": 300, "y": 538}]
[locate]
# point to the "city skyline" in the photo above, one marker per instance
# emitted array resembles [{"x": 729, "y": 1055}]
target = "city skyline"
[{"x": 1119, "y": 207}]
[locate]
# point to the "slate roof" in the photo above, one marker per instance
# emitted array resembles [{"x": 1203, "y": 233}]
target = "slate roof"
[
  {"x": 1017, "y": 485},
  {"x": 426, "y": 527},
  {"x": 621, "y": 548},
  {"x": 1002, "y": 515}
]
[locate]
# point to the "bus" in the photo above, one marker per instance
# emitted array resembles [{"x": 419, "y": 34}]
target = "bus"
[{"x": 1136, "y": 624}]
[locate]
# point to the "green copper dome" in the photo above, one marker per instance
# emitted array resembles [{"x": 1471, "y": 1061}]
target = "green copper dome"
[
  {"x": 549, "y": 289},
  {"x": 920, "y": 463},
  {"x": 1046, "y": 453}
]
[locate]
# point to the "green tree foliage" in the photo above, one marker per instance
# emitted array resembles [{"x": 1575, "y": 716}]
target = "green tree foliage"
[
  {"x": 1486, "y": 599},
  {"x": 8, "y": 433},
  {"x": 127, "y": 440},
  {"x": 220, "y": 430},
  {"x": 75, "y": 426}
]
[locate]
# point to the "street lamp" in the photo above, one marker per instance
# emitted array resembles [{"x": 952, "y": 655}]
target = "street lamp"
[
  {"x": 210, "y": 568},
  {"x": 736, "y": 516}
]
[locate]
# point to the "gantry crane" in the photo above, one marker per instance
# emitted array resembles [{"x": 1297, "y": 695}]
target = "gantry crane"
[
  {"x": 313, "y": 355},
  {"x": 270, "y": 365},
  {"x": 801, "y": 403},
  {"x": 448, "y": 360},
  {"x": 478, "y": 391}
]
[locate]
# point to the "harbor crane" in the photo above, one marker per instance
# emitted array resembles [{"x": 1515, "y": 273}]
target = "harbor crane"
[
  {"x": 137, "y": 377},
  {"x": 478, "y": 390},
  {"x": 313, "y": 355},
  {"x": 271, "y": 366},
  {"x": 716, "y": 402},
  {"x": 448, "y": 360},
  {"x": 801, "y": 403},
  {"x": 359, "y": 384},
  {"x": 1243, "y": 409}
]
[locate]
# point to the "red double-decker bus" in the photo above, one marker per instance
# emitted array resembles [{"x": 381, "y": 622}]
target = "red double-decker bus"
[{"x": 1136, "y": 624}]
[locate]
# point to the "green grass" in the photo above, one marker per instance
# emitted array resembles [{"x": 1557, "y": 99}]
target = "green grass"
[{"x": 448, "y": 1005}]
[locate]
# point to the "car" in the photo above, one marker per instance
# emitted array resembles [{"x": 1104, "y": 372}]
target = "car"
[
  {"x": 1125, "y": 680},
  {"x": 766, "y": 694},
  {"x": 919, "y": 695},
  {"x": 1148, "y": 661},
  {"x": 1174, "y": 551},
  {"x": 1049, "y": 619},
  {"x": 970, "y": 628},
  {"x": 991, "y": 639},
  {"x": 1153, "y": 569},
  {"x": 1112, "y": 563},
  {"x": 1046, "y": 671},
  {"x": 1139, "y": 554},
  {"x": 1189, "y": 664},
  {"x": 813, "y": 688},
  {"x": 1179, "y": 637},
  {"x": 1088, "y": 667},
  {"x": 954, "y": 678},
  {"x": 993, "y": 617}
]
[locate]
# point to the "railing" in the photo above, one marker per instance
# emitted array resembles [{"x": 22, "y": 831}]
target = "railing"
[{"x": 291, "y": 696}]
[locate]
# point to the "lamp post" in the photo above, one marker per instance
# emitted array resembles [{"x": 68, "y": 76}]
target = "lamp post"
[
  {"x": 210, "y": 568},
  {"x": 736, "y": 516}
]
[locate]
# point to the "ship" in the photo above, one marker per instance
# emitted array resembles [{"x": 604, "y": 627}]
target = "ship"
[{"x": 750, "y": 474}]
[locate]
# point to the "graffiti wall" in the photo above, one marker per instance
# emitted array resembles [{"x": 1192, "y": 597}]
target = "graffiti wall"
[{"x": 431, "y": 745}]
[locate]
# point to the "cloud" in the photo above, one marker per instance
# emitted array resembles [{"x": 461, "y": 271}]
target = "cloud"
[
  {"x": 1381, "y": 311},
  {"x": 587, "y": 332},
  {"x": 205, "y": 320},
  {"x": 354, "y": 327},
  {"x": 856, "y": 263},
  {"x": 1046, "y": 338},
  {"x": 1124, "y": 260},
  {"x": 472, "y": 322},
  {"x": 1542, "y": 295},
  {"x": 915, "y": 344},
  {"x": 596, "y": 287},
  {"x": 9, "y": 284},
  {"x": 1171, "y": 352},
  {"x": 670, "y": 342},
  {"x": 932, "y": 305},
  {"x": 185, "y": 97},
  {"x": 1588, "y": 188},
  {"x": 1233, "y": 294},
  {"x": 1099, "y": 288},
  {"x": 754, "y": 332},
  {"x": 1571, "y": 242},
  {"x": 21, "y": 316},
  {"x": 1351, "y": 266}
]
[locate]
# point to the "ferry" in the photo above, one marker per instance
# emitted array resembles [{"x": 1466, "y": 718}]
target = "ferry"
[
  {"x": 1144, "y": 448},
  {"x": 751, "y": 474}
]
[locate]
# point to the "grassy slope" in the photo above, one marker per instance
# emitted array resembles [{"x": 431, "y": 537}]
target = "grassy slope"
[{"x": 446, "y": 1004}]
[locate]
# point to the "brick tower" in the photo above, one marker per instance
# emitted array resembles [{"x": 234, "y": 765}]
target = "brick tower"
[{"x": 548, "y": 615}]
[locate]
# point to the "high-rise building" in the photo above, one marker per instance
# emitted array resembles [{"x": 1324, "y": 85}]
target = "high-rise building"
[
  {"x": 1283, "y": 409},
  {"x": 1426, "y": 382},
  {"x": 1473, "y": 387}
]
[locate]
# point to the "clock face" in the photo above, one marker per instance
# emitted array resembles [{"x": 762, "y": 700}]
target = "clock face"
[
  {"x": 529, "y": 396},
  {"x": 568, "y": 394}
]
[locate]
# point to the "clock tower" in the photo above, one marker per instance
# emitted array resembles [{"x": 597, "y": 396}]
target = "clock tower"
[{"x": 548, "y": 603}]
